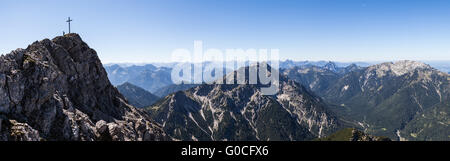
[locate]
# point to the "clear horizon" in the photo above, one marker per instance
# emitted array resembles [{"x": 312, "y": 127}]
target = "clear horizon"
[{"x": 148, "y": 31}]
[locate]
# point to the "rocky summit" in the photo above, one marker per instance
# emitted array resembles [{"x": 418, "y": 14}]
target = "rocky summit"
[{"x": 58, "y": 90}]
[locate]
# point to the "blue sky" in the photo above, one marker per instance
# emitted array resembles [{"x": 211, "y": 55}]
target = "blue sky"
[{"x": 149, "y": 30}]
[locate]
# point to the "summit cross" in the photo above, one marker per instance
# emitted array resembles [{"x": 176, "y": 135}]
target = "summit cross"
[{"x": 69, "y": 20}]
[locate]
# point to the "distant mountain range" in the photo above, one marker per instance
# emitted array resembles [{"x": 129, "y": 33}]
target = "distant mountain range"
[
  {"x": 443, "y": 65},
  {"x": 147, "y": 76},
  {"x": 156, "y": 77},
  {"x": 405, "y": 100}
]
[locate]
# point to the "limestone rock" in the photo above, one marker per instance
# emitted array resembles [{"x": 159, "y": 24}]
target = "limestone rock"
[{"x": 58, "y": 90}]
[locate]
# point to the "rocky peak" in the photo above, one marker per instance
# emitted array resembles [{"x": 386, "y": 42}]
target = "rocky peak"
[
  {"x": 398, "y": 68},
  {"x": 58, "y": 90},
  {"x": 330, "y": 66},
  {"x": 253, "y": 68}
]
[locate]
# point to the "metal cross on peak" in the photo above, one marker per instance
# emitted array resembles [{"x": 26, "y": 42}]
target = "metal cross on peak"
[{"x": 69, "y": 20}]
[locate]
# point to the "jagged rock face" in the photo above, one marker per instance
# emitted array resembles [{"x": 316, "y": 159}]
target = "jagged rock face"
[
  {"x": 58, "y": 90},
  {"x": 241, "y": 112},
  {"x": 13, "y": 130}
]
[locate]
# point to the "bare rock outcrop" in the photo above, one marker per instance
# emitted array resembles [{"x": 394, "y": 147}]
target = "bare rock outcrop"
[{"x": 58, "y": 90}]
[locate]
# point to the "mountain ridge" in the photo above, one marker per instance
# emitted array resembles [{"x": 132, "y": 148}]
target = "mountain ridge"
[
  {"x": 241, "y": 112},
  {"x": 137, "y": 96}
]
